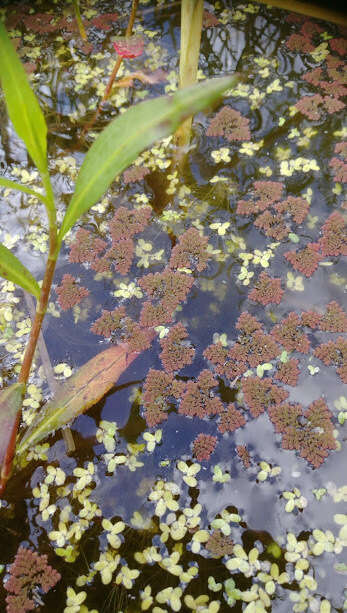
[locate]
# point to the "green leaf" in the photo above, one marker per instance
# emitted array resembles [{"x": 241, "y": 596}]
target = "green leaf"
[
  {"x": 23, "y": 107},
  {"x": 125, "y": 137},
  {"x": 84, "y": 389},
  {"x": 10, "y": 404},
  {"x": 22, "y": 188},
  {"x": 13, "y": 270}
]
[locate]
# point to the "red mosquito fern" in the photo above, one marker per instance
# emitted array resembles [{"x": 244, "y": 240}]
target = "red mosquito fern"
[
  {"x": 227, "y": 362},
  {"x": 190, "y": 252},
  {"x": 273, "y": 225},
  {"x": 231, "y": 419},
  {"x": 153, "y": 315},
  {"x": 168, "y": 287},
  {"x": 219, "y": 545},
  {"x": 230, "y": 124},
  {"x": 334, "y": 239},
  {"x": 334, "y": 352},
  {"x": 261, "y": 394},
  {"x": 126, "y": 223},
  {"x": 135, "y": 173},
  {"x": 244, "y": 456},
  {"x": 121, "y": 255},
  {"x": 203, "y": 446},
  {"x": 309, "y": 432},
  {"x": 310, "y": 319},
  {"x": 297, "y": 208},
  {"x": 339, "y": 45},
  {"x": 109, "y": 322},
  {"x": 288, "y": 372},
  {"x": 248, "y": 324},
  {"x": 306, "y": 260},
  {"x": 334, "y": 319},
  {"x": 266, "y": 290},
  {"x": 70, "y": 293},
  {"x": 28, "y": 572},
  {"x": 176, "y": 353},
  {"x": 123, "y": 329},
  {"x": 85, "y": 247},
  {"x": 157, "y": 390},
  {"x": 289, "y": 334},
  {"x": 264, "y": 195},
  {"x": 298, "y": 42},
  {"x": 102, "y": 22},
  {"x": 198, "y": 399}
]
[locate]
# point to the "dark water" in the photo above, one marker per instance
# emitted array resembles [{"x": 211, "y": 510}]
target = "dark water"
[{"x": 250, "y": 39}]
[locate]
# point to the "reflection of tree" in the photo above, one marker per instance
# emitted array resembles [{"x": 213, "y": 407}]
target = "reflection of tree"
[{"x": 223, "y": 48}]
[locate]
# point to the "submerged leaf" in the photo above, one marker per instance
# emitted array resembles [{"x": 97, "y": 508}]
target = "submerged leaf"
[{"x": 90, "y": 383}]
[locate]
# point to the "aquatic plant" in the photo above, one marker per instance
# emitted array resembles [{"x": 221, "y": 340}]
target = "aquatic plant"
[
  {"x": 176, "y": 352},
  {"x": 288, "y": 372},
  {"x": 334, "y": 318},
  {"x": 230, "y": 124},
  {"x": 266, "y": 290},
  {"x": 198, "y": 400},
  {"x": 128, "y": 222},
  {"x": 334, "y": 239},
  {"x": 244, "y": 455},
  {"x": 306, "y": 260},
  {"x": 157, "y": 118},
  {"x": 203, "y": 446},
  {"x": 334, "y": 352},
  {"x": 156, "y": 391},
  {"x": 289, "y": 334},
  {"x": 310, "y": 432},
  {"x": 191, "y": 27},
  {"x": 28, "y": 572},
  {"x": 85, "y": 247},
  {"x": 230, "y": 419},
  {"x": 261, "y": 394},
  {"x": 70, "y": 293},
  {"x": 190, "y": 252}
]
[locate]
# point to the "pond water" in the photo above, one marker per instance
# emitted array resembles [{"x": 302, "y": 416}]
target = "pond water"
[{"x": 145, "y": 514}]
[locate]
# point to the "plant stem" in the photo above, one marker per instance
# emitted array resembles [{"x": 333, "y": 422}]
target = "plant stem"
[
  {"x": 115, "y": 69},
  {"x": 191, "y": 26},
  {"x": 31, "y": 346},
  {"x": 79, "y": 20}
]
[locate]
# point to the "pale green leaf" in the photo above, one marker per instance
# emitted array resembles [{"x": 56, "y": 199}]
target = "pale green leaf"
[
  {"x": 21, "y": 188},
  {"x": 12, "y": 269},
  {"x": 23, "y": 107}
]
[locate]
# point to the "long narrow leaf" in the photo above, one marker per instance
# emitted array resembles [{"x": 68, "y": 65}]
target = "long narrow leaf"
[
  {"x": 10, "y": 404},
  {"x": 12, "y": 269},
  {"x": 122, "y": 141},
  {"x": 91, "y": 382},
  {"x": 21, "y": 188},
  {"x": 23, "y": 107}
]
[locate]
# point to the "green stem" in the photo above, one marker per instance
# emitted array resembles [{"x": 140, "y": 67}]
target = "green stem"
[
  {"x": 79, "y": 20},
  {"x": 191, "y": 26}
]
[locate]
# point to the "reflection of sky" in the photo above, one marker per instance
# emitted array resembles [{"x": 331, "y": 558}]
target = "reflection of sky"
[{"x": 224, "y": 50}]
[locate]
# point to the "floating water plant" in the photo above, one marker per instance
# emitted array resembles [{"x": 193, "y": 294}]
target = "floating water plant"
[{"x": 30, "y": 124}]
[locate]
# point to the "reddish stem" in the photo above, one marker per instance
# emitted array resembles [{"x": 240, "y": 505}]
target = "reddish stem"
[
  {"x": 115, "y": 69},
  {"x": 30, "y": 350}
]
